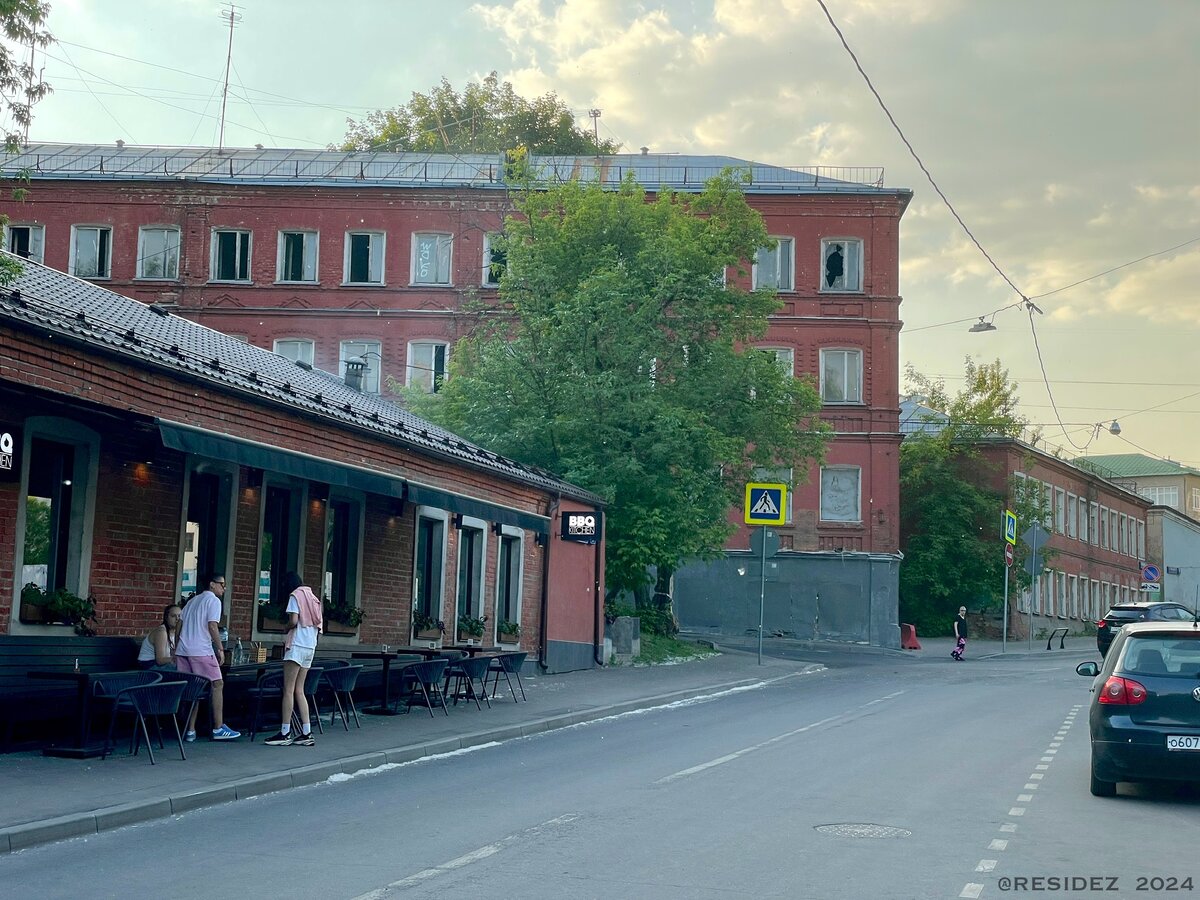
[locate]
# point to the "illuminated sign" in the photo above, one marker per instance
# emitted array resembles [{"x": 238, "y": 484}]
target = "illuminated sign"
[
  {"x": 581, "y": 527},
  {"x": 10, "y": 467}
]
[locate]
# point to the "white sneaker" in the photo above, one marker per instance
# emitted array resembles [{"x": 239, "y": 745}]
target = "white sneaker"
[{"x": 190, "y": 737}]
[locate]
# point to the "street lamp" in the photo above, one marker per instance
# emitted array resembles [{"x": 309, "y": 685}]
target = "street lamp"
[{"x": 981, "y": 325}]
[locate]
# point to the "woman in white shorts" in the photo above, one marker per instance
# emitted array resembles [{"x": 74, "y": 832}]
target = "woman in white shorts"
[{"x": 305, "y": 622}]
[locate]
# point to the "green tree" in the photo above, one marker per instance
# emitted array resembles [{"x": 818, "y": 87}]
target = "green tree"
[
  {"x": 949, "y": 518},
  {"x": 618, "y": 359},
  {"x": 487, "y": 117}
]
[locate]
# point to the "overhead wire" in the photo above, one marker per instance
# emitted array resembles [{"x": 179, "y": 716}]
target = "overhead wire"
[{"x": 124, "y": 130}]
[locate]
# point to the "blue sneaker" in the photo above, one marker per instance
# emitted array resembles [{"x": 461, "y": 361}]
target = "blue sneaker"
[
  {"x": 225, "y": 733},
  {"x": 190, "y": 737}
]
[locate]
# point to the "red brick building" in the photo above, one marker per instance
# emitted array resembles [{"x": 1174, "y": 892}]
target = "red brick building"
[
  {"x": 330, "y": 256},
  {"x": 139, "y": 450}
]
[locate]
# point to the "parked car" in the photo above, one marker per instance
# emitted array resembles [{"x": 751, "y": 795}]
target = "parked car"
[
  {"x": 1124, "y": 613},
  {"x": 1144, "y": 716}
]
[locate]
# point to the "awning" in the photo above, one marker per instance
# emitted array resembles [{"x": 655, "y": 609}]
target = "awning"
[
  {"x": 479, "y": 509},
  {"x": 212, "y": 445}
]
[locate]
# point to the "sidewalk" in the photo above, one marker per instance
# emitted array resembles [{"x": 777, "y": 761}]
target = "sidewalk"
[{"x": 49, "y": 799}]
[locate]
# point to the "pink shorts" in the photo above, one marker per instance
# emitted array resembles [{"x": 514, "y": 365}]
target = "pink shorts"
[{"x": 200, "y": 665}]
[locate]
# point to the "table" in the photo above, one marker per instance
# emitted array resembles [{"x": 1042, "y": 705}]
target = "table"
[
  {"x": 472, "y": 650},
  {"x": 384, "y": 708},
  {"x": 82, "y": 749}
]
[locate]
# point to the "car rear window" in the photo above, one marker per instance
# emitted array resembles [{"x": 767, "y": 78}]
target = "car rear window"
[
  {"x": 1124, "y": 615},
  {"x": 1162, "y": 654}
]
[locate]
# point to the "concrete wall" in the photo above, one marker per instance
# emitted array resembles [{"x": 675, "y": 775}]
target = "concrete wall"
[
  {"x": 1174, "y": 540},
  {"x": 851, "y": 597}
]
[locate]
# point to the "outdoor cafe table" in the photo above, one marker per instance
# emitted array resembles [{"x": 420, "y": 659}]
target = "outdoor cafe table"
[
  {"x": 82, "y": 748},
  {"x": 472, "y": 650},
  {"x": 384, "y": 708}
]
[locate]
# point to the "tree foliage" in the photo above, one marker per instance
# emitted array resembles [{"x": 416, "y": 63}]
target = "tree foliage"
[
  {"x": 619, "y": 360},
  {"x": 950, "y": 517},
  {"x": 487, "y": 117}
]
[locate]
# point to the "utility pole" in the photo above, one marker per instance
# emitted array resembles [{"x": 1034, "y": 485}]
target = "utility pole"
[
  {"x": 232, "y": 16},
  {"x": 595, "y": 114}
]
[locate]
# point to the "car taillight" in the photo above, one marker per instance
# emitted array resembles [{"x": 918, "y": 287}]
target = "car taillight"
[
  {"x": 1119, "y": 691},
  {"x": 1101, "y": 624}
]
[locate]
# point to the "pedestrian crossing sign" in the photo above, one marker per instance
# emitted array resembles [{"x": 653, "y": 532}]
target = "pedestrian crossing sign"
[{"x": 766, "y": 504}]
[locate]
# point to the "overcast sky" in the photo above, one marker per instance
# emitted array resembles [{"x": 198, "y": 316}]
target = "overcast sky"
[{"x": 1065, "y": 132}]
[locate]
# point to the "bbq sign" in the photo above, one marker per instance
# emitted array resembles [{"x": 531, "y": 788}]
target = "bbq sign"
[
  {"x": 581, "y": 527},
  {"x": 10, "y": 470}
]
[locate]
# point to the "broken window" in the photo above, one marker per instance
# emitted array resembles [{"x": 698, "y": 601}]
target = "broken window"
[{"x": 841, "y": 262}]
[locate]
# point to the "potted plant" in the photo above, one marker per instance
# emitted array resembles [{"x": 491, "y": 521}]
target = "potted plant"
[
  {"x": 508, "y": 632},
  {"x": 470, "y": 628},
  {"x": 426, "y": 627},
  {"x": 58, "y": 607},
  {"x": 342, "y": 618}
]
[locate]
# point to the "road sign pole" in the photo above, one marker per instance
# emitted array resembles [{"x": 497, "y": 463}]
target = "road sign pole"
[
  {"x": 1004, "y": 643},
  {"x": 1032, "y": 604},
  {"x": 762, "y": 591}
]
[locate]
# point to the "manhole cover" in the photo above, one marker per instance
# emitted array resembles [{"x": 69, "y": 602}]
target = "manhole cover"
[{"x": 863, "y": 830}]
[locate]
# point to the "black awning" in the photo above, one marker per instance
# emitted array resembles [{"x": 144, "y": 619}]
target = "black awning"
[
  {"x": 212, "y": 445},
  {"x": 479, "y": 509}
]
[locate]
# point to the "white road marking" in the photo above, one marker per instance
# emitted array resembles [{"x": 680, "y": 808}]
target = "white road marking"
[
  {"x": 467, "y": 858},
  {"x": 1043, "y": 768},
  {"x": 986, "y": 865},
  {"x": 1047, "y": 759},
  {"x": 737, "y": 754},
  {"x": 1037, "y": 776},
  {"x": 972, "y": 891},
  {"x": 998, "y": 844},
  {"x": 1051, "y": 752},
  {"x": 1031, "y": 787},
  {"x": 1056, "y": 743},
  {"x": 1024, "y": 798},
  {"x": 1017, "y": 811},
  {"x": 1008, "y": 827}
]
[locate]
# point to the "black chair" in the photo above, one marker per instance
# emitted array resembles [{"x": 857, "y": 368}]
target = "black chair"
[
  {"x": 341, "y": 681},
  {"x": 464, "y": 673},
  {"x": 507, "y": 664},
  {"x": 425, "y": 679},
  {"x": 198, "y": 688},
  {"x": 107, "y": 688},
  {"x": 268, "y": 687},
  {"x": 312, "y": 682},
  {"x": 161, "y": 699}
]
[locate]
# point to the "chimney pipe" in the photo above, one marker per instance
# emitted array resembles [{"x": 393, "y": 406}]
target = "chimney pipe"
[{"x": 355, "y": 368}]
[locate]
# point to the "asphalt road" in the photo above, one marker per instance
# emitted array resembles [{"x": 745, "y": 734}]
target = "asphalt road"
[{"x": 888, "y": 779}]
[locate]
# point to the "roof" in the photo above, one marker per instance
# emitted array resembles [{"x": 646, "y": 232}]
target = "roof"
[
  {"x": 1130, "y": 465},
  {"x": 366, "y": 168},
  {"x": 48, "y": 300}
]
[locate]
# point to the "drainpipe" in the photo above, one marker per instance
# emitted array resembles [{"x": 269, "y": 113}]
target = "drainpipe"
[
  {"x": 598, "y": 608},
  {"x": 543, "y": 640}
]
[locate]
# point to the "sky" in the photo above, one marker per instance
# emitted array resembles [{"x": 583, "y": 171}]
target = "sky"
[{"x": 1065, "y": 134}]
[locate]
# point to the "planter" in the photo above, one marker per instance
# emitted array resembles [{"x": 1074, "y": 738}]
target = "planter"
[
  {"x": 428, "y": 634},
  {"x": 269, "y": 625},
  {"x": 333, "y": 626},
  {"x": 508, "y": 637},
  {"x": 32, "y": 614}
]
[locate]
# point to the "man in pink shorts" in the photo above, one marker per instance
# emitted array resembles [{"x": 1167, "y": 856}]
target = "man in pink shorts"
[{"x": 199, "y": 651}]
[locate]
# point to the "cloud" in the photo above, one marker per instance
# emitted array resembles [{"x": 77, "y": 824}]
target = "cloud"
[{"x": 1161, "y": 290}]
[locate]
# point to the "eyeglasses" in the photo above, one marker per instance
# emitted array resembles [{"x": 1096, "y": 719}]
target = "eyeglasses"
[{"x": 219, "y": 583}]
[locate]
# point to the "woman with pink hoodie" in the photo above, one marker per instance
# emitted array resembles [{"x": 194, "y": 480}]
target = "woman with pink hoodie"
[{"x": 305, "y": 622}]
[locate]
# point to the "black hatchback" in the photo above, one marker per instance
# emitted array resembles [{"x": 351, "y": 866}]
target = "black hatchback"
[
  {"x": 1144, "y": 715},
  {"x": 1124, "y": 613}
]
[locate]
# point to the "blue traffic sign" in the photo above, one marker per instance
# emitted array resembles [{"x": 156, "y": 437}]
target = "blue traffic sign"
[
  {"x": 766, "y": 504},
  {"x": 1151, "y": 573}
]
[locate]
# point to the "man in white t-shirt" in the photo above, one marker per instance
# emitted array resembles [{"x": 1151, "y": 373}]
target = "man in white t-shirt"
[{"x": 199, "y": 651}]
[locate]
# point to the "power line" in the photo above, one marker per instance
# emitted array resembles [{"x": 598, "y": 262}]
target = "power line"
[
  {"x": 125, "y": 131},
  {"x": 1114, "y": 268}
]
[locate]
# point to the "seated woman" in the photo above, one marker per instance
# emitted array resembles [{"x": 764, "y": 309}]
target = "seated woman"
[{"x": 158, "y": 646}]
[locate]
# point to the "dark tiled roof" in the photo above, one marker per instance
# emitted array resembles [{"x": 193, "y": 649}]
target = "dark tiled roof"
[
  {"x": 366, "y": 168},
  {"x": 62, "y": 304}
]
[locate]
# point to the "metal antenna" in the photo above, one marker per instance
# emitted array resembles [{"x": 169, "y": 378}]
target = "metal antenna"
[{"x": 233, "y": 17}]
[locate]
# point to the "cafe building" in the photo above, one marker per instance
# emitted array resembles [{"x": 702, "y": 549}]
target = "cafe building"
[{"x": 140, "y": 451}]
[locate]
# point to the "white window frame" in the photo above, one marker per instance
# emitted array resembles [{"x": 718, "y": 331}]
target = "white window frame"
[
  {"x": 849, "y": 353},
  {"x": 37, "y": 240},
  {"x": 431, "y": 512},
  {"x": 1123, "y": 531},
  {"x": 72, "y": 261},
  {"x": 482, "y": 527},
  {"x": 414, "y": 373},
  {"x": 312, "y": 242},
  {"x": 244, "y": 239},
  {"x": 1060, "y": 606},
  {"x": 852, "y": 265},
  {"x": 1104, "y": 528},
  {"x": 785, "y": 247},
  {"x": 1162, "y": 495},
  {"x": 1093, "y": 524},
  {"x": 143, "y": 254},
  {"x": 509, "y": 531},
  {"x": 1141, "y": 539},
  {"x": 1060, "y": 510},
  {"x": 449, "y": 244},
  {"x": 373, "y": 376},
  {"x": 1083, "y": 519},
  {"x": 1072, "y": 597},
  {"x": 1072, "y": 515},
  {"x": 1195, "y": 500},
  {"x": 375, "y": 260},
  {"x": 831, "y": 471},
  {"x": 279, "y": 342},
  {"x": 486, "y": 275},
  {"x": 785, "y": 357}
]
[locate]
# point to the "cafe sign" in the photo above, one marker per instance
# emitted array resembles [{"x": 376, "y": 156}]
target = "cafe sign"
[
  {"x": 581, "y": 527},
  {"x": 10, "y": 465}
]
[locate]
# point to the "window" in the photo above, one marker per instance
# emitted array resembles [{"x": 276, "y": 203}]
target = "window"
[
  {"x": 508, "y": 576},
  {"x": 495, "y": 260},
  {"x": 230, "y": 256},
  {"x": 429, "y": 564},
  {"x": 1073, "y": 596},
  {"x": 841, "y": 266},
  {"x": 296, "y": 349},
  {"x": 1072, "y": 518},
  {"x": 1114, "y": 539},
  {"x": 1048, "y": 501},
  {"x": 363, "y": 263},
  {"x": 278, "y": 552},
  {"x": 1195, "y": 501},
  {"x": 1083, "y": 519},
  {"x": 1141, "y": 540},
  {"x": 471, "y": 552},
  {"x": 840, "y": 494},
  {"x": 431, "y": 258},
  {"x": 297, "y": 256},
  {"x": 1123, "y": 531},
  {"x": 1060, "y": 608},
  {"x": 368, "y": 352},
  {"x": 785, "y": 356},
  {"x": 1104, "y": 527},
  {"x": 1093, "y": 527},
  {"x": 343, "y": 518},
  {"x": 26, "y": 241},
  {"x": 841, "y": 376},
  {"x": 91, "y": 251},
  {"x": 773, "y": 267},
  {"x": 1097, "y": 611},
  {"x": 1060, "y": 510},
  {"x": 158, "y": 253},
  {"x": 206, "y": 529},
  {"x": 1162, "y": 496},
  {"x": 426, "y": 366}
]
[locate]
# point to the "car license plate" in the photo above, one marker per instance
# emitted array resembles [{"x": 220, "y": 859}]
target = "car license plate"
[{"x": 1183, "y": 742}]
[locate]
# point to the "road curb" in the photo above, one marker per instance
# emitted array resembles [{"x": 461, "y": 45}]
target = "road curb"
[{"x": 46, "y": 831}]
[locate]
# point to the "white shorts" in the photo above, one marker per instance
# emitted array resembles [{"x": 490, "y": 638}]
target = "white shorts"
[{"x": 301, "y": 655}]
